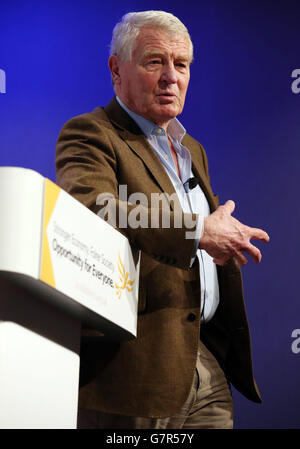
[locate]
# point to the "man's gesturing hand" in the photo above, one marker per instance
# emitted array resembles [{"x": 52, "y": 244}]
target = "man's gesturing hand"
[{"x": 224, "y": 237}]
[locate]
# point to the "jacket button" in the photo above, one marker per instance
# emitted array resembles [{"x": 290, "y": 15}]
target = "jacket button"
[{"x": 191, "y": 317}]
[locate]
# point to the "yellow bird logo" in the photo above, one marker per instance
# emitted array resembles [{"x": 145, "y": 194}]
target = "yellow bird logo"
[{"x": 126, "y": 283}]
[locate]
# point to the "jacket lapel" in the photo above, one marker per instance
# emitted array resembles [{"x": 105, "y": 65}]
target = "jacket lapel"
[
  {"x": 199, "y": 172},
  {"x": 134, "y": 137}
]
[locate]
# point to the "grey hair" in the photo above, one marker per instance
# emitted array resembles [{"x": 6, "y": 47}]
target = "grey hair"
[{"x": 125, "y": 32}]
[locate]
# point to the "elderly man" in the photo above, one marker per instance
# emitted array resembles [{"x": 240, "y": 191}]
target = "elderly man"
[{"x": 168, "y": 377}]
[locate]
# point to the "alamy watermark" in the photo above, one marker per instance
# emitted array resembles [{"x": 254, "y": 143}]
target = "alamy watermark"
[
  {"x": 2, "y": 82},
  {"x": 137, "y": 211},
  {"x": 295, "y": 346},
  {"x": 295, "y": 86}
]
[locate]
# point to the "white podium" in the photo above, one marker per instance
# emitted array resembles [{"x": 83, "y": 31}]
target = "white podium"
[{"x": 60, "y": 266}]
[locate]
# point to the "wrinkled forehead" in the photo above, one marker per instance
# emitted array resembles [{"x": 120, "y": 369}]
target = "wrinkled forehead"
[{"x": 156, "y": 40}]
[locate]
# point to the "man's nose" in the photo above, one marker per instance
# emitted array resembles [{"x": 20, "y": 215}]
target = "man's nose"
[{"x": 169, "y": 74}]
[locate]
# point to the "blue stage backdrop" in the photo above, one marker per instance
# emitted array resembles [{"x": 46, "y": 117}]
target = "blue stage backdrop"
[{"x": 243, "y": 105}]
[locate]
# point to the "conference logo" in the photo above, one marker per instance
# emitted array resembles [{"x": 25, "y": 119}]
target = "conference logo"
[
  {"x": 295, "y": 86},
  {"x": 126, "y": 282},
  {"x": 295, "y": 347},
  {"x": 2, "y": 82}
]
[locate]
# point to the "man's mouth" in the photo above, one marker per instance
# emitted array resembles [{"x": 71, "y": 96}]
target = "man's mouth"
[
  {"x": 166, "y": 94},
  {"x": 167, "y": 97}
]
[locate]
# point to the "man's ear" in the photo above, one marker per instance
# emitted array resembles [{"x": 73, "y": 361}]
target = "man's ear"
[{"x": 114, "y": 67}]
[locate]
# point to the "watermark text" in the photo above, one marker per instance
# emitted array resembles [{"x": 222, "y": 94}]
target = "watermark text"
[
  {"x": 295, "y": 86},
  {"x": 295, "y": 346},
  {"x": 2, "y": 82},
  {"x": 160, "y": 210}
]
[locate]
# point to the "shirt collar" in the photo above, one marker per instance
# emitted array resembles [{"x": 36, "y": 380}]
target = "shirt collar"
[{"x": 175, "y": 129}]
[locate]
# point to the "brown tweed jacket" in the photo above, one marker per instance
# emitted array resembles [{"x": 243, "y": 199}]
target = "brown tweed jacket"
[{"x": 151, "y": 375}]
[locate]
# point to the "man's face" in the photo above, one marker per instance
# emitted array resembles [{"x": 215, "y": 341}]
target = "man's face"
[{"x": 154, "y": 83}]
